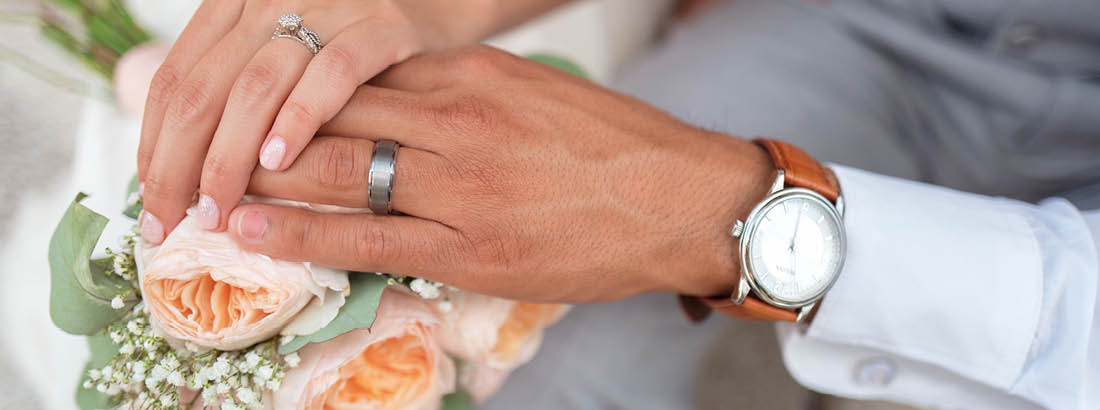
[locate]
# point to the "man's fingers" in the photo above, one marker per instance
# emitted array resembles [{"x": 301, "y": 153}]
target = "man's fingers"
[
  {"x": 334, "y": 170},
  {"x": 360, "y": 242},
  {"x": 190, "y": 119},
  {"x": 209, "y": 24},
  {"x": 256, "y": 96},
  {"x": 442, "y": 69},
  {"x": 378, "y": 113},
  {"x": 329, "y": 81}
]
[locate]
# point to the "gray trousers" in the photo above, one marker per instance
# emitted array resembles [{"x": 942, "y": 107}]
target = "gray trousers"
[{"x": 879, "y": 85}]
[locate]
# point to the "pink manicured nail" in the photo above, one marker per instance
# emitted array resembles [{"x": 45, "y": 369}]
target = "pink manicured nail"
[
  {"x": 273, "y": 152},
  {"x": 252, "y": 225},
  {"x": 141, "y": 189},
  {"x": 152, "y": 230},
  {"x": 207, "y": 212}
]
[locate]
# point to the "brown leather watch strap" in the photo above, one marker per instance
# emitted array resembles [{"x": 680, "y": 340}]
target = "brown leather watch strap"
[
  {"x": 800, "y": 170},
  {"x": 751, "y": 309}
]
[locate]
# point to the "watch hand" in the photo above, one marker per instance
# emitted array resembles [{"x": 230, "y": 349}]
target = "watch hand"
[
  {"x": 794, "y": 237},
  {"x": 797, "y": 222}
]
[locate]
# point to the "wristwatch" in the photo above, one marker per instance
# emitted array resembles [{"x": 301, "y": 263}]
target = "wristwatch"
[{"x": 791, "y": 245}]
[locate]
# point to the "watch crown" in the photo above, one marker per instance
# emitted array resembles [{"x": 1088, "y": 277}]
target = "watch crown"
[{"x": 738, "y": 227}]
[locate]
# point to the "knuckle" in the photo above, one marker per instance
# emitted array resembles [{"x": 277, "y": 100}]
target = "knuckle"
[
  {"x": 373, "y": 244},
  {"x": 145, "y": 155},
  {"x": 337, "y": 63},
  {"x": 192, "y": 100},
  {"x": 300, "y": 113},
  {"x": 300, "y": 234},
  {"x": 480, "y": 59},
  {"x": 480, "y": 177},
  {"x": 486, "y": 179},
  {"x": 466, "y": 113},
  {"x": 335, "y": 166},
  {"x": 218, "y": 167},
  {"x": 164, "y": 82},
  {"x": 256, "y": 81},
  {"x": 489, "y": 250},
  {"x": 263, "y": 7},
  {"x": 159, "y": 187}
]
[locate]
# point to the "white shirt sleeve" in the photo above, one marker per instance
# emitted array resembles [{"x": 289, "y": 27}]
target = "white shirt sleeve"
[{"x": 954, "y": 300}]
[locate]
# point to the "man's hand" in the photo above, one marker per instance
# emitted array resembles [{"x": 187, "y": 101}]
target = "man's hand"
[
  {"x": 515, "y": 180},
  {"x": 228, "y": 97}
]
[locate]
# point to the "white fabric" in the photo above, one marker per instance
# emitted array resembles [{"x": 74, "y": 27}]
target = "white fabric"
[{"x": 961, "y": 301}]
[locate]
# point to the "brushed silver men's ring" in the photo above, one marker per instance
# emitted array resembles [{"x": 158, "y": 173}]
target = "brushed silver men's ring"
[
  {"x": 290, "y": 26},
  {"x": 381, "y": 176}
]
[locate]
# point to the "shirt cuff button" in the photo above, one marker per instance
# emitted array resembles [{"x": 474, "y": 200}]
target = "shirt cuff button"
[{"x": 875, "y": 372}]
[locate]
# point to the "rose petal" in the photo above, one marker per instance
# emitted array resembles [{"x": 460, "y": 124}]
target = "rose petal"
[
  {"x": 201, "y": 287},
  {"x": 342, "y": 372},
  {"x": 316, "y": 315}
]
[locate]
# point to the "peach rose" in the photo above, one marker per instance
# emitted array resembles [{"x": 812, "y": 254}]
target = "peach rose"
[
  {"x": 481, "y": 381},
  {"x": 494, "y": 336},
  {"x": 396, "y": 364},
  {"x": 199, "y": 286}
]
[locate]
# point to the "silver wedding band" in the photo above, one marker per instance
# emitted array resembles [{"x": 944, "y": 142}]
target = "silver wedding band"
[
  {"x": 380, "y": 178},
  {"x": 290, "y": 26}
]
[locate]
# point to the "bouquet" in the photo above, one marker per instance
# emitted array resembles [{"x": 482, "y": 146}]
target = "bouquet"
[{"x": 198, "y": 322}]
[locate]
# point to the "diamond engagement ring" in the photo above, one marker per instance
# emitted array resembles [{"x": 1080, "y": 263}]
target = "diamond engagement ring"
[{"x": 290, "y": 26}]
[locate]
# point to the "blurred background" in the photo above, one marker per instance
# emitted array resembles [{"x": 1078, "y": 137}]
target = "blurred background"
[{"x": 62, "y": 131}]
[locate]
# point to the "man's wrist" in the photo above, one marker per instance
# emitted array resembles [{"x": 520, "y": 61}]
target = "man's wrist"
[{"x": 741, "y": 177}]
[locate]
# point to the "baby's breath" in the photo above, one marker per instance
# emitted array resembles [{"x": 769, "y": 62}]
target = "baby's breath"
[
  {"x": 424, "y": 288},
  {"x": 148, "y": 373},
  {"x": 123, "y": 263}
]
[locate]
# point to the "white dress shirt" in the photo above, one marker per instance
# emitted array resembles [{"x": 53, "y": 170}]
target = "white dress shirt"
[{"x": 950, "y": 299}]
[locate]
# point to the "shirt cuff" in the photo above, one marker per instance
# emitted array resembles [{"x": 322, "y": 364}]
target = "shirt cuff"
[{"x": 934, "y": 280}]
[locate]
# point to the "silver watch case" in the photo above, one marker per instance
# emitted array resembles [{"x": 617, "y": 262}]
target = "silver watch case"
[{"x": 745, "y": 230}]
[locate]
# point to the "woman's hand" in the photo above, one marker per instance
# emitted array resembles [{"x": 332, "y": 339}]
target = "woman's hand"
[
  {"x": 516, "y": 180},
  {"x": 226, "y": 85},
  {"x": 228, "y": 95}
]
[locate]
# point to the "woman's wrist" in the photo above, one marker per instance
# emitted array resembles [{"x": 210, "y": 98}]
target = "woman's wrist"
[
  {"x": 444, "y": 24},
  {"x": 448, "y": 23}
]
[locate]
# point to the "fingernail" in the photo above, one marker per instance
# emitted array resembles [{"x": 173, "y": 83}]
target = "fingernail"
[
  {"x": 152, "y": 230},
  {"x": 207, "y": 212},
  {"x": 252, "y": 225},
  {"x": 141, "y": 189},
  {"x": 273, "y": 152}
]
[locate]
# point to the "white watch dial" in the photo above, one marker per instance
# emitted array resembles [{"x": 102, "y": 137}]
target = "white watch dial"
[{"x": 796, "y": 249}]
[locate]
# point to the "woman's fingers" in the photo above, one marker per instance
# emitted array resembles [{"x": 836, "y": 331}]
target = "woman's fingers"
[
  {"x": 190, "y": 119},
  {"x": 334, "y": 170},
  {"x": 258, "y": 92},
  {"x": 209, "y": 24},
  {"x": 361, "y": 242},
  {"x": 257, "y": 95},
  {"x": 347, "y": 61}
]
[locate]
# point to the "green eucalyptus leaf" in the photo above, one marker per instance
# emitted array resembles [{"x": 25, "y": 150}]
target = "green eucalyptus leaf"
[
  {"x": 560, "y": 63},
  {"x": 357, "y": 313},
  {"x": 132, "y": 211},
  {"x": 80, "y": 292},
  {"x": 103, "y": 349},
  {"x": 459, "y": 400}
]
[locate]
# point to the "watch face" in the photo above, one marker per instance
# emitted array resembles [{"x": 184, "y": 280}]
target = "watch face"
[{"x": 796, "y": 248}]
